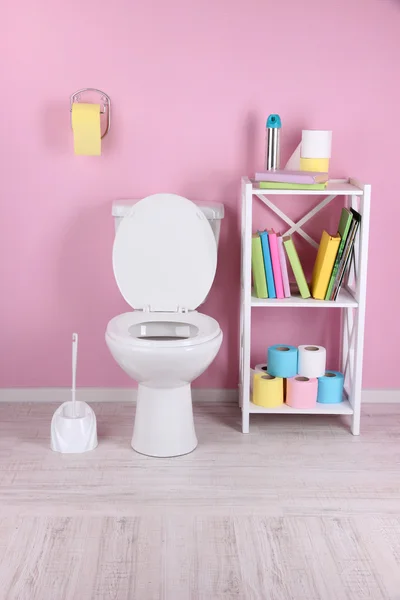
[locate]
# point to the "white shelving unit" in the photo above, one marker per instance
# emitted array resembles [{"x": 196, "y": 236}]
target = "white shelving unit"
[{"x": 351, "y": 299}]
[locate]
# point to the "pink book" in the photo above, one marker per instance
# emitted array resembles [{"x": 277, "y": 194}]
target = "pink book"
[
  {"x": 285, "y": 276},
  {"x": 276, "y": 264},
  {"x": 286, "y": 176}
]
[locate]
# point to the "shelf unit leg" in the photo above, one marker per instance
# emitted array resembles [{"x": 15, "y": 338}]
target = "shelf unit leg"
[
  {"x": 361, "y": 253},
  {"x": 245, "y": 421},
  {"x": 245, "y": 315},
  {"x": 355, "y": 423}
]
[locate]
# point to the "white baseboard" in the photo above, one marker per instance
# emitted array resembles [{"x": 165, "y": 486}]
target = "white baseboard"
[
  {"x": 381, "y": 396},
  {"x": 60, "y": 395}
]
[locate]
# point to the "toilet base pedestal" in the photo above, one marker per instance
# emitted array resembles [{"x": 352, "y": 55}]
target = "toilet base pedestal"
[{"x": 164, "y": 421}]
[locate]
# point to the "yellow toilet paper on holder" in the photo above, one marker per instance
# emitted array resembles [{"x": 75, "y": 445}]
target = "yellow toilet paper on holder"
[
  {"x": 86, "y": 128},
  {"x": 267, "y": 390}
]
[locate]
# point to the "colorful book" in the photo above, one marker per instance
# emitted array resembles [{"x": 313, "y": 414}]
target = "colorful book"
[
  {"x": 327, "y": 252},
  {"x": 276, "y": 263},
  {"x": 285, "y": 276},
  {"x": 348, "y": 251},
  {"x": 269, "y": 274},
  {"x": 343, "y": 230},
  {"x": 274, "y": 185},
  {"x": 296, "y": 267},
  {"x": 257, "y": 265},
  {"x": 288, "y": 176}
]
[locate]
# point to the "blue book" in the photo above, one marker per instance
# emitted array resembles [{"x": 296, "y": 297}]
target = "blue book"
[{"x": 267, "y": 264}]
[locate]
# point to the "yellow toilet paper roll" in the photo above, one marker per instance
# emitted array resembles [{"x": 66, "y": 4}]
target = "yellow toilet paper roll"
[
  {"x": 267, "y": 390},
  {"x": 86, "y": 128},
  {"x": 320, "y": 165}
]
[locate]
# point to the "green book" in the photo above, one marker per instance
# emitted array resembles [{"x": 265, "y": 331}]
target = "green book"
[
  {"x": 343, "y": 230},
  {"x": 257, "y": 266},
  {"x": 347, "y": 253},
  {"x": 273, "y": 185},
  {"x": 296, "y": 267}
]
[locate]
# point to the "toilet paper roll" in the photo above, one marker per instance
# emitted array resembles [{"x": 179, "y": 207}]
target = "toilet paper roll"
[
  {"x": 330, "y": 388},
  {"x": 267, "y": 390},
  {"x": 252, "y": 373},
  {"x": 282, "y": 360},
  {"x": 316, "y": 143},
  {"x": 86, "y": 128},
  {"x": 258, "y": 368},
  {"x": 301, "y": 392},
  {"x": 319, "y": 165},
  {"x": 312, "y": 361}
]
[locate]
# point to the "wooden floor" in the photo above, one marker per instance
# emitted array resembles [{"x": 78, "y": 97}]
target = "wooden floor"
[{"x": 298, "y": 509}]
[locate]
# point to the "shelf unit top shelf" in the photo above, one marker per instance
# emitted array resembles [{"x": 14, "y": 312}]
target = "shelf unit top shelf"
[
  {"x": 344, "y": 300},
  {"x": 342, "y": 408},
  {"x": 335, "y": 187}
]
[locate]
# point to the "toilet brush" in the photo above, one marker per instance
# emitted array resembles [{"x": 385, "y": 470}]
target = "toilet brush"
[
  {"x": 73, "y": 426},
  {"x": 74, "y": 363}
]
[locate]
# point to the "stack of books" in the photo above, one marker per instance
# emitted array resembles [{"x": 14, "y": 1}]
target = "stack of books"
[
  {"x": 291, "y": 180},
  {"x": 270, "y": 274},
  {"x": 269, "y": 267},
  {"x": 333, "y": 256}
]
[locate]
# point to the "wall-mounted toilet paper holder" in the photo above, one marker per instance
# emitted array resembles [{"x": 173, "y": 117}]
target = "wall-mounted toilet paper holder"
[{"x": 105, "y": 100}]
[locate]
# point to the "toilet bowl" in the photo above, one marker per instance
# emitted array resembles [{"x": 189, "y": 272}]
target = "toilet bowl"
[{"x": 164, "y": 260}]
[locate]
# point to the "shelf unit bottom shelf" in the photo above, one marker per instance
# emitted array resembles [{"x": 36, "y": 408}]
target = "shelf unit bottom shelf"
[{"x": 342, "y": 408}]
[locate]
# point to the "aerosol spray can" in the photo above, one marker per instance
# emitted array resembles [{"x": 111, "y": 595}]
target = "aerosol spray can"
[{"x": 272, "y": 143}]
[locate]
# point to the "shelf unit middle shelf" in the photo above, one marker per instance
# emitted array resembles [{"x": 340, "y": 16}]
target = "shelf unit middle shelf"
[{"x": 345, "y": 299}]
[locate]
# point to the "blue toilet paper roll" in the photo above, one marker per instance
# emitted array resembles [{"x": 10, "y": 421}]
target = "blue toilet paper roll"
[
  {"x": 282, "y": 360},
  {"x": 330, "y": 388}
]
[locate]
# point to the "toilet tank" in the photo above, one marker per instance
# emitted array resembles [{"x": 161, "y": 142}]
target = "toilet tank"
[{"x": 214, "y": 212}]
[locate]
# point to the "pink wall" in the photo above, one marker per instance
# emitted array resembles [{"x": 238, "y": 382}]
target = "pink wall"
[{"x": 191, "y": 87}]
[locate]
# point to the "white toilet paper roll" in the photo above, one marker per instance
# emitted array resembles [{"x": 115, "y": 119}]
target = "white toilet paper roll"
[
  {"x": 252, "y": 373},
  {"x": 316, "y": 143},
  {"x": 258, "y": 368},
  {"x": 312, "y": 361}
]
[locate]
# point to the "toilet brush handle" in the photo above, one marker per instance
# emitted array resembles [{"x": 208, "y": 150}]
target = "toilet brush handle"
[{"x": 74, "y": 363}]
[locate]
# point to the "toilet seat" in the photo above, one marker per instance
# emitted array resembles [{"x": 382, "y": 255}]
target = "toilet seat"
[
  {"x": 126, "y": 329},
  {"x": 164, "y": 255}
]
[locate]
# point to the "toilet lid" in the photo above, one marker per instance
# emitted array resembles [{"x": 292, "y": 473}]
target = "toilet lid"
[{"x": 164, "y": 254}]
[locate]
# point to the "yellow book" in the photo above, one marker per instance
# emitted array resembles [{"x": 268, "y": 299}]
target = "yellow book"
[{"x": 323, "y": 267}]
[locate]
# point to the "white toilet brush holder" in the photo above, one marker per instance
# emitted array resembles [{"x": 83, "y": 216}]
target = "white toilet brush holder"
[{"x": 73, "y": 426}]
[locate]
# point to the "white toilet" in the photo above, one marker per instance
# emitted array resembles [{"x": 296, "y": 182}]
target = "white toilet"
[{"x": 164, "y": 260}]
